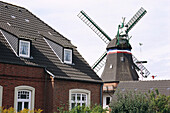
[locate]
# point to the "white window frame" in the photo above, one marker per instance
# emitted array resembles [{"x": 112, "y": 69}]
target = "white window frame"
[
  {"x": 23, "y": 55},
  {"x": 24, "y": 100},
  {"x": 80, "y": 102},
  {"x": 1, "y": 93},
  {"x": 32, "y": 96},
  {"x": 71, "y": 56},
  {"x": 80, "y": 91}
]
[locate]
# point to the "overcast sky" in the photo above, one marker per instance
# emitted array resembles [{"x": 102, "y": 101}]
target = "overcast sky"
[{"x": 152, "y": 30}]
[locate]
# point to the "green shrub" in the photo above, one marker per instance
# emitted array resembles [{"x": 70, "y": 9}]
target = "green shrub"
[
  {"x": 12, "y": 110},
  {"x": 83, "y": 109},
  {"x": 132, "y": 102}
]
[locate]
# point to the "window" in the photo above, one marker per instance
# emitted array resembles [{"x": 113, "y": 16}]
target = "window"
[
  {"x": 24, "y": 48},
  {"x": 24, "y": 98},
  {"x": 79, "y": 97},
  {"x": 68, "y": 56},
  {"x": 122, "y": 59},
  {"x": 107, "y": 100},
  {"x": 1, "y": 92}
]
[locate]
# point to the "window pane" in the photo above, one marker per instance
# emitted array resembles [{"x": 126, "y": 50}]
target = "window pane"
[
  {"x": 24, "y": 48},
  {"x": 83, "y": 104},
  {"x": 73, "y": 97},
  {"x": 19, "y": 106},
  {"x": 73, "y": 105},
  {"x": 26, "y": 105},
  {"x": 83, "y": 97},
  {"x": 78, "y": 97},
  {"x": 67, "y": 55},
  {"x": 23, "y": 95},
  {"x": 78, "y": 104}
]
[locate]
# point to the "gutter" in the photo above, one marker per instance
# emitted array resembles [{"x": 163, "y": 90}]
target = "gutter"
[{"x": 101, "y": 95}]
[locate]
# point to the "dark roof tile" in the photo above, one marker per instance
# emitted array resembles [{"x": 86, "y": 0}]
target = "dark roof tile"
[{"x": 41, "y": 54}]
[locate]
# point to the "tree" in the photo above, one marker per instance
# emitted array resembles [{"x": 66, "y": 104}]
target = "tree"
[{"x": 136, "y": 102}]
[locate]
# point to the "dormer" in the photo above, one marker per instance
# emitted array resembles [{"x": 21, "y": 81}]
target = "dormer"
[
  {"x": 20, "y": 45},
  {"x": 65, "y": 54}
]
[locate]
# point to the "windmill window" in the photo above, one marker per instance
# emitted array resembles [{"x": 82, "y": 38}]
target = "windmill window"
[
  {"x": 111, "y": 66},
  {"x": 132, "y": 67},
  {"x": 24, "y": 48},
  {"x": 68, "y": 56},
  {"x": 122, "y": 59}
]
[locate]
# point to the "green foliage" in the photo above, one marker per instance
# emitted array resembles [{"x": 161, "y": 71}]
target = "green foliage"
[
  {"x": 12, "y": 110},
  {"x": 133, "y": 102},
  {"x": 83, "y": 109}
]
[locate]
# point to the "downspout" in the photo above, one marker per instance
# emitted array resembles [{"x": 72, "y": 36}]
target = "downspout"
[
  {"x": 45, "y": 92},
  {"x": 101, "y": 94}
]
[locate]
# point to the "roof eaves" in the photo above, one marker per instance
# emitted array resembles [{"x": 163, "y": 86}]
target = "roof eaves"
[
  {"x": 50, "y": 73},
  {"x": 82, "y": 80}
]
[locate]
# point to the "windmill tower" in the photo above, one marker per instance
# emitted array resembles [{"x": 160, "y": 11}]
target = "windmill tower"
[{"x": 120, "y": 64}]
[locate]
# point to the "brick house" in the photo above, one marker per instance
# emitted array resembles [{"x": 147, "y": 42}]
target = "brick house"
[{"x": 39, "y": 67}]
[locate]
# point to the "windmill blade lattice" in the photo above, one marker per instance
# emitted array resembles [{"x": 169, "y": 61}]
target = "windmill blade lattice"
[
  {"x": 141, "y": 67},
  {"x": 136, "y": 18},
  {"x": 100, "y": 62},
  {"x": 89, "y": 22}
]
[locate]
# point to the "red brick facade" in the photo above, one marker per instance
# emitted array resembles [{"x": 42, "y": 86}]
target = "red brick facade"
[
  {"x": 12, "y": 76},
  {"x": 62, "y": 87},
  {"x": 49, "y": 93}
]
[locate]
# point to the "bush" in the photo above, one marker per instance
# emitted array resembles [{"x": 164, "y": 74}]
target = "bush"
[
  {"x": 12, "y": 110},
  {"x": 132, "y": 102},
  {"x": 83, "y": 109}
]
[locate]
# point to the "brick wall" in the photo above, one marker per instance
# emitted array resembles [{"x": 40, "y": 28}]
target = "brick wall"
[
  {"x": 49, "y": 93},
  {"x": 62, "y": 87},
  {"x": 15, "y": 75}
]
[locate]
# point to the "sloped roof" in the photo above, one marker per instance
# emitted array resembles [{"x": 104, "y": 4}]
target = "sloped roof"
[
  {"x": 163, "y": 86},
  {"x": 17, "y": 22}
]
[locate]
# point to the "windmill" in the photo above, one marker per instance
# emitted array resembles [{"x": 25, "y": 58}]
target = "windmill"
[{"x": 120, "y": 64}]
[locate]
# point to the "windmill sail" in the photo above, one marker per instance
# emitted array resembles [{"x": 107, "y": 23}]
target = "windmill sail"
[
  {"x": 144, "y": 71},
  {"x": 87, "y": 20},
  {"x": 120, "y": 62},
  {"x": 100, "y": 62},
  {"x": 136, "y": 18}
]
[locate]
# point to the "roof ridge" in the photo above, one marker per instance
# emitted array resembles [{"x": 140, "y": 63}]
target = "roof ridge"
[{"x": 143, "y": 81}]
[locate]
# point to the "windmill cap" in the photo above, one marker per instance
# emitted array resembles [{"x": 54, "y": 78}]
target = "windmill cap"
[{"x": 122, "y": 43}]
